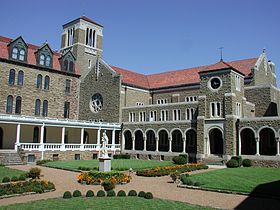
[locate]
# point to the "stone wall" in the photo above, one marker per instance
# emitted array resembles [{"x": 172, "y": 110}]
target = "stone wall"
[{"x": 132, "y": 95}]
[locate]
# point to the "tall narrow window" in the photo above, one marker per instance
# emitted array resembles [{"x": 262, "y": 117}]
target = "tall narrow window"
[
  {"x": 45, "y": 108},
  {"x": 71, "y": 66},
  {"x": 22, "y": 55},
  {"x": 18, "y": 105},
  {"x": 66, "y": 109},
  {"x": 39, "y": 81},
  {"x": 9, "y": 106},
  {"x": 37, "y": 107},
  {"x": 238, "y": 109},
  {"x": 215, "y": 109},
  {"x": 153, "y": 116},
  {"x": 20, "y": 78},
  {"x": 67, "y": 86},
  {"x": 65, "y": 65},
  {"x": 142, "y": 116},
  {"x": 48, "y": 61},
  {"x": 42, "y": 60},
  {"x": 47, "y": 82},
  {"x": 15, "y": 53},
  {"x": 12, "y": 77},
  {"x": 36, "y": 135}
]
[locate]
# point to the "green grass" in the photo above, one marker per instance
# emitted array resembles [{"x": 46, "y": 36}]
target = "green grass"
[
  {"x": 117, "y": 164},
  {"x": 5, "y": 171},
  {"x": 242, "y": 180},
  {"x": 112, "y": 203}
]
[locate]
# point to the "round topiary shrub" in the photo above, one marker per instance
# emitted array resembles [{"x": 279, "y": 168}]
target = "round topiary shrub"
[
  {"x": 100, "y": 193},
  {"x": 121, "y": 193},
  {"x": 141, "y": 194},
  {"x": 132, "y": 193},
  {"x": 14, "y": 179},
  {"x": 77, "y": 193},
  {"x": 247, "y": 163},
  {"x": 67, "y": 195},
  {"x": 179, "y": 160},
  {"x": 34, "y": 173},
  {"x": 232, "y": 163},
  {"x": 6, "y": 179},
  {"x": 108, "y": 185},
  {"x": 22, "y": 177},
  {"x": 89, "y": 193},
  {"x": 149, "y": 195},
  {"x": 111, "y": 193}
]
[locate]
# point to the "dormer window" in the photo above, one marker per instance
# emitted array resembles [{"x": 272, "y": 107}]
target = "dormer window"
[
  {"x": 15, "y": 53},
  {"x": 18, "y": 49},
  {"x": 67, "y": 62},
  {"x": 42, "y": 60},
  {"x": 48, "y": 61},
  {"x": 22, "y": 55},
  {"x": 44, "y": 56}
]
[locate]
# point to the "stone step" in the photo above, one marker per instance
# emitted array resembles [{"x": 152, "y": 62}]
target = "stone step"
[{"x": 10, "y": 157}]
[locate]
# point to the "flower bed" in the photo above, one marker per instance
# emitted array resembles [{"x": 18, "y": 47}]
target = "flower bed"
[
  {"x": 167, "y": 170},
  {"x": 94, "y": 177},
  {"x": 20, "y": 187}
]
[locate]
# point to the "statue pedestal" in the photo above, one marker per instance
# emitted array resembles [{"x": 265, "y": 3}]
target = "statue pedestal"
[{"x": 105, "y": 164}]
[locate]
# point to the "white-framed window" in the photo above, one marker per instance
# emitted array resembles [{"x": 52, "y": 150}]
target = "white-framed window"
[
  {"x": 70, "y": 36},
  {"x": 131, "y": 117},
  {"x": 142, "y": 116},
  {"x": 237, "y": 82},
  {"x": 238, "y": 109},
  {"x": 153, "y": 116},
  {"x": 139, "y": 104},
  {"x": 190, "y": 113},
  {"x": 163, "y": 115},
  {"x": 162, "y": 101},
  {"x": 90, "y": 37},
  {"x": 191, "y": 98},
  {"x": 176, "y": 114},
  {"x": 215, "y": 109}
]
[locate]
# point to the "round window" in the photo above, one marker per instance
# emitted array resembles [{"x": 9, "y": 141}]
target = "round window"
[
  {"x": 215, "y": 83},
  {"x": 96, "y": 103}
]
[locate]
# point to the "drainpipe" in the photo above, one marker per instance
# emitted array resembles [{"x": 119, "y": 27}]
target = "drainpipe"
[{"x": 237, "y": 124}]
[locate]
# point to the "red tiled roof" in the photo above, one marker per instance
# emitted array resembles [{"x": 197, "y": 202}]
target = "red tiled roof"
[
  {"x": 31, "y": 57},
  {"x": 181, "y": 77}
]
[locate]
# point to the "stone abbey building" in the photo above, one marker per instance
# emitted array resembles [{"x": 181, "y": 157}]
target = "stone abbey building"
[{"x": 56, "y": 105}]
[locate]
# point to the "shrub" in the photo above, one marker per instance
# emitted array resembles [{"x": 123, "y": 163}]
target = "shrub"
[
  {"x": 22, "y": 177},
  {"x": 185, "y": 178},
  {"x": 247, "y": 163},
  {"x": 108, "y": 185},
  {"x": 89, "y": 193},
  {"x": 141, "y": 194},
  {"x": 14, "y": 179},
  {"x": 67, "y": 195},
  {"x": 6, "y": 179},
  {"x": 100, "y": 193},
  {"x": 238, "y": 159},
  {"x": 77, "y": 193},
  {"x": 185, "y": 156},
  {"x": 121, "y": 193},
  {"x": 174, "y": 176},
  {"x": 34, "y": 173},
  {"x": 111, "y": 193},
  {"x": 84, "y": 168},
  {"x": 121, "y": 156},
  {"x": 179, "y": 160},
  {"x": 232, "y": 163},
  {"x": 42, "y": 162},
  {"x": 132, "y": 193},
  {"x": 149, "y": 195}
]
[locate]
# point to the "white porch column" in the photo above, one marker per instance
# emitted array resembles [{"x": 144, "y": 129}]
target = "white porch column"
[
  {"x": 184, "y": 144},
  {"x": 17, "y": 137},
  {"x": 145, "y": 142},
  {"x": 257, "y": 146},
  {"x": 63, "y": 138},
  {"x": 113, "y": 138},
  {"x": 277, "y": 146},
  {"x": 82, "y": 139},
  {"x": 239, "y": 144},
  {"x": 123, "y": 143},
  {"x": 42, "y": 141},
  {"x": 98, "y": 136},
  {"x": 170, "y": 144},
  {"x": 133, "y": 143},
  {"x": 157, "y": 144}
]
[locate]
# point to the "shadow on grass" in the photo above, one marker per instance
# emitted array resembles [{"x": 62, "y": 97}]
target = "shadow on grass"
[{"x": 264, "y": 196}]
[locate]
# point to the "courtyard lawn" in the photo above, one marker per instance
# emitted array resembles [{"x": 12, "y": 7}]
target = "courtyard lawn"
[
  {"x": 5, "y": 171},
  {"x": 132, "y": 203},
  {"x": 117, "y": 164},
  {"x": 267, "y": 180}
]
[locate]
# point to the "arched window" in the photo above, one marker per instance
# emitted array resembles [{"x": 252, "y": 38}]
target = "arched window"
[
  {"x": 39, "y": 81},
  {"x": 18, "y": 105},
  {"x": 48, "y": 61},
  {"x": 15, "y": 53},
  {"x": 36, "y": 135},
  {"x": 71, "y": 66},
  {"x": 37, "y": 107},
  {"x": 42, "y": 60},
  {"x": 9, "y": 106},
  {"x": 65, "y": 65},
  {"x": 20, "y": 78},
  {"x": 22, "y": 55},
  {"x": 45, "y": 108},
  {"x": 12, "y": 77},
  {"x": 47, "y": 82}
]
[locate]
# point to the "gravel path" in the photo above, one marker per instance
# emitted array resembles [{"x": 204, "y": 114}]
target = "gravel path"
[{"x": 159, "y": 186}]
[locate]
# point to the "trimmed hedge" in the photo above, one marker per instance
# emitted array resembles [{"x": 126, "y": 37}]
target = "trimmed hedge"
[
  {"x": 232, "y": 163},
  {"x": 108, "y": 185},
  {"x": 100, "y": 193},
  {"x": 238, "y": 159},
  {"x": 180, "y": 160},
  {"x": 149, "y": 195},
  {"x": 121, "y": 193},
  {"x": 67, "y": 195},
  {"x": 89, "y": 193},
  {"x": 121, "y": 156},
  {"x": 77, "y": 193},
  {"x": 34, "y": 173},
  {"x": 247, "y": 163},
  {"x": 132, "y": 193},
  {"x": 141, "y": 194},
  {"x": 41, "y": 162},
  {"x": 111, "y": 193},
  {"x": 6, "y": 179}
]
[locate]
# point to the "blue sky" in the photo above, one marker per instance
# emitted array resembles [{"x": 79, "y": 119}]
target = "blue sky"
[{"x": 151, "y": 36}]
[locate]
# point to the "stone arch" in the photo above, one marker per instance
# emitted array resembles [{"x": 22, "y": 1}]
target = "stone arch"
[
  {"x": 127, "y": 139},
  {"x": 177, "y": 140},
  {"x": 216, "y": 141},
  {"x": 161, "y": 130},
  {"x": 191, "y": 141},
  {"x": 248, "y": 141},
  {"x": 267, "y": 141},
  {"x": 266, "y": 126},
  {"x": 139, "y": 139},
  {"x": 150, "y": 140},
  {"x": 163, "y": 137}
]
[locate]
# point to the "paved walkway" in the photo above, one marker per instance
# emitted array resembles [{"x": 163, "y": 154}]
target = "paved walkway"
[{"x": 159, "y": 186}]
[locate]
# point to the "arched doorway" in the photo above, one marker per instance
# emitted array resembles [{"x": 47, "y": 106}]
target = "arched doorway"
[
  {"x": 216, "y": 141},
  {"x": 151, "y": 141},
  {"x": 127, "y": 140},
  {"x": 248, "y": 142},
  {"x": 191, "y": 142},
  {"x": 177, "y": 141},
  {"x": 163, "y": 141},
  {"x": 139, "y": 140},
  {"x": 1, "y": 138},
  {"x": 267, "y": 142}
]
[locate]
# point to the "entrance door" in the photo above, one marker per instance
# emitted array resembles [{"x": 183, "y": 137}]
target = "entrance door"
[
  {"x": 1, "y": 138},
  {"x": 216, "y": 141}
]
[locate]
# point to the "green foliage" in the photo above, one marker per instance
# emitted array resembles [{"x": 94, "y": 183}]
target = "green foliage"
[
  {"x": 6, "y": 179},
  {"x": 238, "y": 159},
  {"x": 108, "y": 185},
  {"x": 67, "y": 195},
  {"x": 232, "y": 163},
  {"x": 247, "y": 163},
  {"x": 185, "y": 156},
  {"x": 149, "y": 195},
  {"x": 121, "y": 193},
  {"x": 42, "y": 162},
  {"x": 121, "y": 156},
  {"x": 82, "y": 168},
  {"x": 14, "y": 179},
  {"x": 89, "y": 193},
  {"x": 141, "y": 194},
  {"x": 187, "y": 180},
  {"x": 179, "y": 160},
  {"x": 132, "y": 193},
  {"x": 9, "y": 172},
  {"x": 100, "y": 193},
  {"x": 111, "y": 193},
  {"x": 22, "y": 177},
  {"x": 77, "y": 193},
  {"x": 34, "y": 173}
]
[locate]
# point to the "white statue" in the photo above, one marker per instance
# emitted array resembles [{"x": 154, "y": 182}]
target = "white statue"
[{"x": 105, "y": 140}]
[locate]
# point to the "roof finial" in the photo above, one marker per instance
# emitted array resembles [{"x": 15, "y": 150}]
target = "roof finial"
[
  {"x": 221, "y": 53},
  {"x": 84, "y": 14},
  {"x": 264, "y": 50}
]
